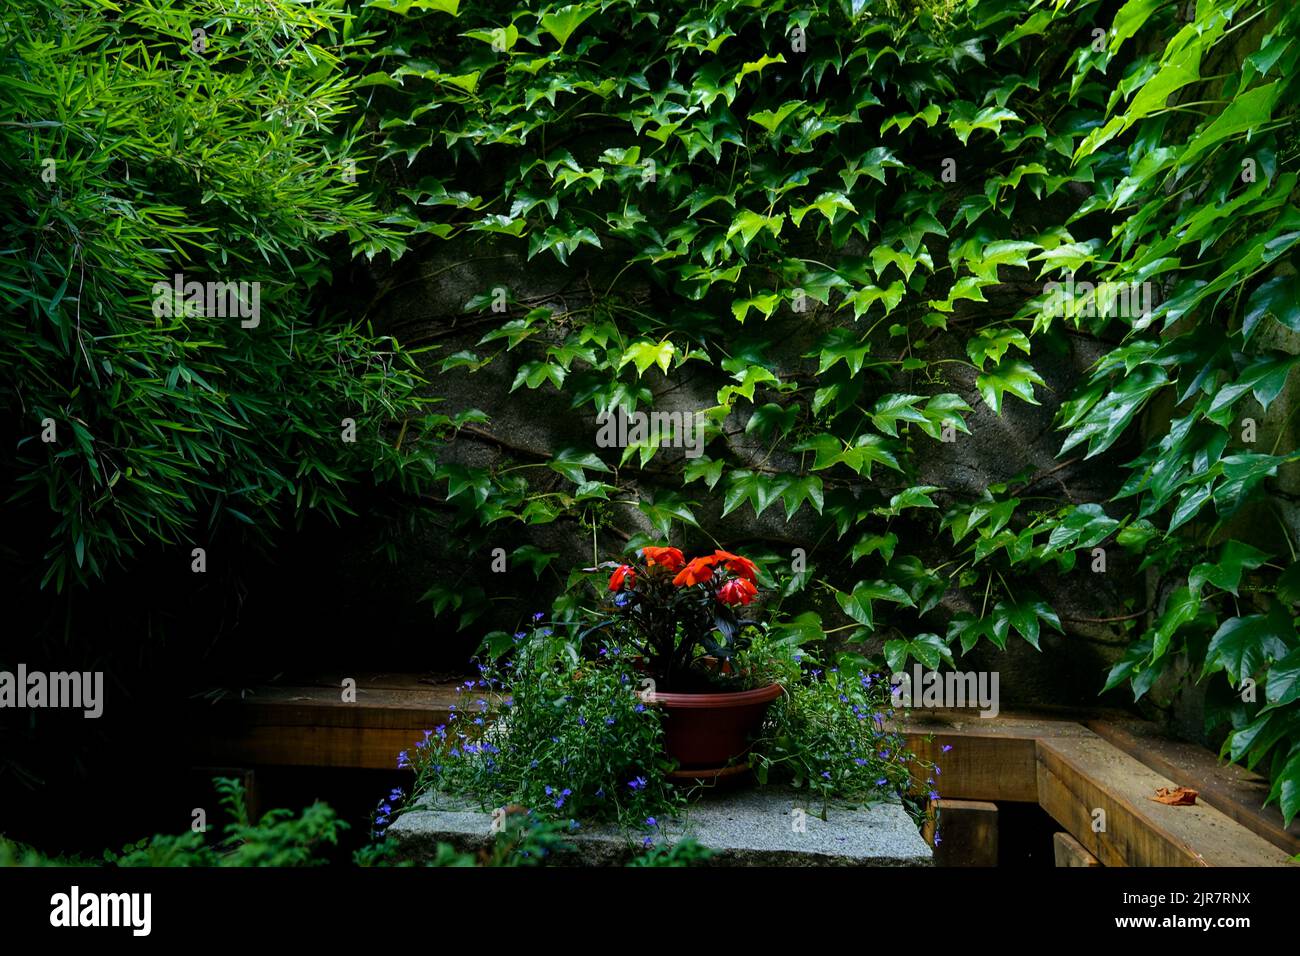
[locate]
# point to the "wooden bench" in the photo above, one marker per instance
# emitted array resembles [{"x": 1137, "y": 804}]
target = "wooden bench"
[
  {"x": 1073, "y": 765},
  {"x": 309, "y": 723},
  {"x": 1096, "y": 777}
]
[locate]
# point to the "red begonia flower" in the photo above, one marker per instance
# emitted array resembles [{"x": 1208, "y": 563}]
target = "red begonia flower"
[
  {"x": 737, "y": 591},
  {"x": 697, "y": 572},
  {"x": 742, "y": 566},
  {"x": 623, "y": 573},
  {"x": 669, "y": 558}
]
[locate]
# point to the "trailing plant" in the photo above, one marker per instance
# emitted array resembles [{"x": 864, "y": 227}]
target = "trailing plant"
[
  {"x": 684, "y": 852},
  {"x": 567, "y": 738},
  {"x": 833, "y": 734},
  {"x": 523, "y": 839},
  {"x": 936, "y": 196}
]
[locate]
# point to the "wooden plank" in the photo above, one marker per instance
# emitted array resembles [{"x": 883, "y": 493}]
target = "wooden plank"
[
  {"x": 990, "y": 758},
  {"x": 325, "y": 706},
  {"x": 299, "y": 746},
  {"x": 968, "y": 832},
  {"x": 1078, "y": 776},
  {"x": 310, "y": 725},
  {"x": 1070, "y": 852},
  {"x": 1231, "y": 788}
]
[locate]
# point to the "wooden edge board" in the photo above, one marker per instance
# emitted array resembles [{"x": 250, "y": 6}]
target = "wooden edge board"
[
  {"x": 988, "y": 758},
  {"x": 1102, "y": 796},
  {"x": 1069, "y": 852},
  {"x": 338, "y": 747},
  {"x": 976, "y": 768},
  {"x": 968, "y": 830},
  {"x": 1228, "y": 787}
]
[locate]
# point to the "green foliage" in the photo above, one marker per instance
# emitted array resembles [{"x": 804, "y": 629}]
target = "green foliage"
[
  {"x": 708, "y": 146},
  {"x": 685, "y": 852},
  {"x": 279, "y": 838},
  {"x": 131, "y": 157},
  {"x": 523, "y": 840},
  {"x": 566, "y": 738},
  {"x": 711, "y": 150},
  {"x": 282, "y": 838},
  {"x": 828, "y": 734}
]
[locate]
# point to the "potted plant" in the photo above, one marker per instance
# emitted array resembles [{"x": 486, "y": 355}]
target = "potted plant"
[
  {"x": 683, "y": 621},
  {"x": 598, "y": 721}
]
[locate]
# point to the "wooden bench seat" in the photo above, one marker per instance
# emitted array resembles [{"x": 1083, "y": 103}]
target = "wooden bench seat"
[{"x": 1071, "y": 764}]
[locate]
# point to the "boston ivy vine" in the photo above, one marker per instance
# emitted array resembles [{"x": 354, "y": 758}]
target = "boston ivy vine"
[{"x": 900, "y": 173}]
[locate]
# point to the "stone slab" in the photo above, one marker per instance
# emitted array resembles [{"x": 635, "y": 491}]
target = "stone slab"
[{"x": 753, "y": 827}]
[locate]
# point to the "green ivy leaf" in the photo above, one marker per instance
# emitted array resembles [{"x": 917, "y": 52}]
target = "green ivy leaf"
[
  {"x": 770, "y": 419},
  {"x": 1235, "y": 557},
  {"x": 758, "y": 489},
  {"x": 1280, "y": 298},
  {"x": 1243, "y": 645},
  {"x": 929, "y": 649},
  {"x": 806, "y": 488},
  {"x": 1282, "y": 686},
  {"x": 892, "y": 409},
  {"x": 534, "y": 557},
  {"x": 562, "y": 23},
  {"x": 1014, "y": 376},
  {"x": 573, "y": 463},
  {"x": 994, "y": 343},
  {"x": 645, "y": 354},
  {"x": 870, "y": 544},
  {"x": 1024, "y": 616},
  {"x": 704, "y": 468}
]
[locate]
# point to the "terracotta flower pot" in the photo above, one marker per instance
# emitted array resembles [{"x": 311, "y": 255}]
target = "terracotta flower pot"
[{"x": 710, "y": 730}]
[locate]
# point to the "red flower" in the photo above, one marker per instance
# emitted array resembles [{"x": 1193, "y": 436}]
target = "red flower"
[
  {"x": 697, "y": 572},
  {"x": 737, "y": 591},
  {"x": 742, "y": 566},
  {"x": 624, "y": 572},
  {"x": 669, "y": 558}
]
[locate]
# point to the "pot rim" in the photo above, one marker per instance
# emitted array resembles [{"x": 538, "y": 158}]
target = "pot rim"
[{"x": 738, "y": 698}]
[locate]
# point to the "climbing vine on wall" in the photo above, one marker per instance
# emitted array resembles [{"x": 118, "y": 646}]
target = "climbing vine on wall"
[{"x": 895, "y": 171}]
